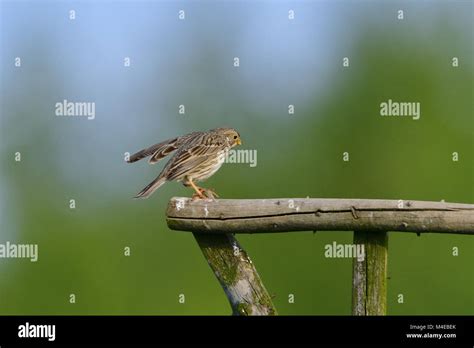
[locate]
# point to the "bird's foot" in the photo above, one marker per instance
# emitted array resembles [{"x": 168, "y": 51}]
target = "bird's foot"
[
  {"x": 205, "y": 194},
  {"x": 199, "y": 195}
]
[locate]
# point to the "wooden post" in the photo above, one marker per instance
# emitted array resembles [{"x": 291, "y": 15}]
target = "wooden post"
[
  {"x": 369, "y": 277},
  {"x": 236, "y": 274},
  {"x": 212, "y": 221}
]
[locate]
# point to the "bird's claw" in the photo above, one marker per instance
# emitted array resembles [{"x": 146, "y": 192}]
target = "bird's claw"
[
  {"x": 205, "y": 194},
  {"x": 198, "y": 196}
]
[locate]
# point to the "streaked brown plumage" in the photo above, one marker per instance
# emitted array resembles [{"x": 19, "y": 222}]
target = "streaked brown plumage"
[{"x": 198, "y": 156}]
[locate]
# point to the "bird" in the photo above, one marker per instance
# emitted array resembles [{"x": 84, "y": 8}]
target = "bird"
[{"x": 198, "y": 155}]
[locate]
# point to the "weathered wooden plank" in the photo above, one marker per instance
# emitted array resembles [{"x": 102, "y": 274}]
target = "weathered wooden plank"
[
  {"x": 369, "y": 276},
  {"x": 236, "y": 274},
  {"x": 237, "y": 208},
  {"x": 288, "y": 215}
]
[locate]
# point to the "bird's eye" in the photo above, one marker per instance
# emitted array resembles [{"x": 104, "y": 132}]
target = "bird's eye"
[{"x": 235, "y": 136}]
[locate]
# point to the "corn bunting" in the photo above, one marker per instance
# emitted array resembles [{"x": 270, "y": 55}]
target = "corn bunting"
[{"x": 198, "y": 156}]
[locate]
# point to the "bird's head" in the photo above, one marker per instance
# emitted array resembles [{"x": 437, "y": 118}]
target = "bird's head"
[{"x": 232, "y": 136}]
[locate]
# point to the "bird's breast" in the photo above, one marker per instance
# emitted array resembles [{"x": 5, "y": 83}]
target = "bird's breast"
[{"x": 211, "y": 166}]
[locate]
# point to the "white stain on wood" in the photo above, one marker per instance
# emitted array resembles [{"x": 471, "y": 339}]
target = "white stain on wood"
[{"x": 180, "y": 204}]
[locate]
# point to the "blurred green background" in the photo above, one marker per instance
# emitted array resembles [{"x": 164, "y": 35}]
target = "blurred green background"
[{"x": 190, "y": 62}]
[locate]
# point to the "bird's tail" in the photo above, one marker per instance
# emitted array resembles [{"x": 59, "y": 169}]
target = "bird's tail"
[{"x": 152, "y": 187}]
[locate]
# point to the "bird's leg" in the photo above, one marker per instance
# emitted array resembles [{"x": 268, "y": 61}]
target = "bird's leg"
[{"x": 199, "y": 191}]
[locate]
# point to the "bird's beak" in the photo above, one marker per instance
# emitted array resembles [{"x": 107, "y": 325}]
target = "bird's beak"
[{"x": 239, "y": 142}]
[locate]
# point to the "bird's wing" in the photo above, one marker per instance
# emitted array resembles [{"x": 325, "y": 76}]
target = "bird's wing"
[
  {"x": 160, "y": 150},
  {"x": 163, "y": 151},
  {"x": 196, "y": 153}
]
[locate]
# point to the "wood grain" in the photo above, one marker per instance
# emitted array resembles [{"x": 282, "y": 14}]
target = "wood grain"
[{"x": 310, "y": 214}]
